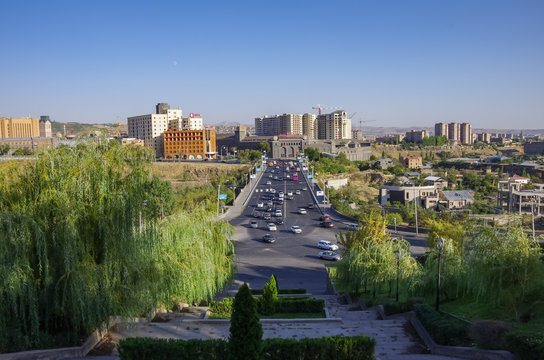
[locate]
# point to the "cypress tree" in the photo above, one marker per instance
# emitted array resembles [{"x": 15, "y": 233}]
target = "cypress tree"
[
  {"x": 270, "y": 296},
  {"x": 245, "y": 329}
]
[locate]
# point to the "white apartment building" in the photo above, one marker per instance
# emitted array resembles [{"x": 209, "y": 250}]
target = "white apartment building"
[
  {"x": 150, "y": 127},
  {"x": 309, "y": 125},
  {"x": 291, "y": 124},
  {"x": 335, "y": 125}
]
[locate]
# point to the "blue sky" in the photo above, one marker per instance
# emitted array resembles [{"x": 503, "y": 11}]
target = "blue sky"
[{"x": 401, "y": 63}]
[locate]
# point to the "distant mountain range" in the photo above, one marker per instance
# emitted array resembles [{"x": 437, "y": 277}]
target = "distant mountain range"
[{"x": 376, "y": 130}]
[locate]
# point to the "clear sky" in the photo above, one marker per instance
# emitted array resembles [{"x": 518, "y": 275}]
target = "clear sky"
[{"x": 401, "y": 63}]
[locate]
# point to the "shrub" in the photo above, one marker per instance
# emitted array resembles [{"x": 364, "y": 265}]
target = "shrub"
[
  {"x": 337, "y": 348},
  {"x": 280, "y": 291},
  {"x": 246, "y": 331},
  {"x": 270, "y": 297},
  {"x": 525, "y": 345},
  {"x": 222, "y": 307},
  {"x": 402, "y": 307},
  {"x": 149, "y": 349},
  {"x": 296, "y": 305},
  {"x": 444, "y": 329},
  {"x": 489, "y": 334}
]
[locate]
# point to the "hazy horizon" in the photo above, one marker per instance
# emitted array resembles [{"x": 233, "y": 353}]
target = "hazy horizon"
[{"x": 399, "y": 63}]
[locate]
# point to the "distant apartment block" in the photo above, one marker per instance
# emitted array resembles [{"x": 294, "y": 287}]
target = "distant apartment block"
[
  {"x": 412, "y": 162},
  {"x": 460, "y": 133},
  {"x": 19, "y": 128},
  {"x": 534, "y": 148},
  {"x": 190, "y": 144},
  {"x": 334, "y": 126},
  {"x": 485, "y": 137},
  {"x": 45, "y": 126},
  {"x": 331, "y": 126},
  {"x": 416, "y": 136}
]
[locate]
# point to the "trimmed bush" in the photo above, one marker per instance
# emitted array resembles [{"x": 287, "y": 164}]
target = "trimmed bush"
[
  {"x": 444, "y": 329},
  {"x": 401, "y": 307},
  {"x": 280, "y": 291},
  {"x": 489, "y": 334},
  {"x": 282, "y": 305},
  {"x": 222, "y": 307},
  {"x": 333, "y": 348},
  {"x": 525, "y": 345},
  {"x": 150, "y": 349}
]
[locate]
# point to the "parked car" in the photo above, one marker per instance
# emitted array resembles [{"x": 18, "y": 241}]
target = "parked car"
[
  {"x": 302, "y": 211},
  {"x": 296, "y": 229},
  {"x": 326, "y": 224},
  {"x": 254, "y": 224},
  {"x": 269, "y": 238},
  {"x": 271, "y": 227},
  {"x": 327, "y": 245},
  {"x": 329, "y": 255},
  {"x": 325, "y": 218}
]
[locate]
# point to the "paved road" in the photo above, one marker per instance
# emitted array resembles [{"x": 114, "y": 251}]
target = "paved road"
[{"x": 293, "y": 258}]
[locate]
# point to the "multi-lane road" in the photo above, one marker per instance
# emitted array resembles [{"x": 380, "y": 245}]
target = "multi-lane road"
[{"x": 293, "y": 258}]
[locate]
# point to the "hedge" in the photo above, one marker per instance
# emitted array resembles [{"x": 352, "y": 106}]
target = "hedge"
[
  {"x": 444, "y": 329},
  {"x": 337, "y": 348},
  {"x": 163, "y": 349},
  {"x": 280, "y": 291},
  {"x": 525, "y": 345},
  {"x": 283, "y": 305},
  {"x": 401, "y": 307}
]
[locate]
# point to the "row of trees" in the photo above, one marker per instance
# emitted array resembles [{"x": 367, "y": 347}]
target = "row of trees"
[
  {"x": 4, "y": 150},
  {"x": 83, "y": 238},
  {"x": 502, "y": 269}
]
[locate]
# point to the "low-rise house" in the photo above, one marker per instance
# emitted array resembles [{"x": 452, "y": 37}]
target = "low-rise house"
[
  {"x": 383, "y": 163},
  {"x": 456, "y": 199},
  {"x": 426, "y": 196},
  {"x": 412, "y": 162},
  {"x": 436, "y": 181}
]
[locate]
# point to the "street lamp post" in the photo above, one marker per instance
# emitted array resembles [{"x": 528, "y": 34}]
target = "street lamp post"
[
  {"x": 398, "y": 254},
  {"x": 440, "y": 242}
]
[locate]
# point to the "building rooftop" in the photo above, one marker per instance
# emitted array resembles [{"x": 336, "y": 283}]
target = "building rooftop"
[
  {"x": 433, "y": 178},
  {"x": 453, "y": 195}
]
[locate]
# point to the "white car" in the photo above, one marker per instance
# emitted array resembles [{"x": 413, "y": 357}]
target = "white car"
[
  {"x": 327, "y": 245},
  {"x": 260, "y": 205},
  {"x": 296, "y": 229},
  {"x": 254, "y": 224},
  {"x": 329, "y": 255},
  {"x": 278, "y": 213},
  {"x": 271, "y": 227},
  {"x": 302, "y": 211},
  {"x": 273, "y": 191},
  {"x": 290, "y": 193},
  {"x": 269, "y": 182}
]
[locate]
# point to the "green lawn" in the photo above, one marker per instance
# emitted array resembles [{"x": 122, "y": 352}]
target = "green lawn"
[{"x": 277, "y": 316}]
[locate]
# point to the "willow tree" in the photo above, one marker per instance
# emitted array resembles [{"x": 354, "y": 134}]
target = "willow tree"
[{"x": 79, "y": 243}]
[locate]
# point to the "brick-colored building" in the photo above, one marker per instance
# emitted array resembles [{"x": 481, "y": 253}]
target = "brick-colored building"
[
  {"x": 19, "y": 128},
  {"x": 412, "y": 162},
  {"x": 189, "y": 144}
]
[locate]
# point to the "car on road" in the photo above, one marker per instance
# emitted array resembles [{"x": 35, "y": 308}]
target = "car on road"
[
  {"x": 269, "y": 238},
  {"x": 271, "y": 227},
  {"x": 254, "y": 224},
  {"x": 269, "y": 182},
  {"x": 278, "y": 213},
  {"x": 280, "y": 179},
  {"x": 297, "y": 192},
  {"x": 296, "y": 229},
  {"x": 327, "y": 245},
  {"x": 279, "y": 221},
  {"x": 273, "y": 191},
  {"x": 280, "y": 194},
  {"x": 289, "y": 197},
  {"x": 326, "y": 224},
  {"x": 310, "y": 205},
  {"x": 260, "y": 204},
  {"x": 325, "y": 218},
  {"x": 352, "y": 227},
  {"x": 329, "y": 255},
  {"x": 267, "y": 216},
  {"x": 304, "y": 188},
  {"x": 257, "y": 214},
  {"x": 302, "y": 211},
  {"x": 290, "y": 193}
]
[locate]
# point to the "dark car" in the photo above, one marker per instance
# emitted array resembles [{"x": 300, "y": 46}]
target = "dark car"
[
  {"x": 310, "y": 206},
  {"x": 256, "y": 214},
  {"x": 280, "y": 221},
  {"x": 269, "y": 239},
  {"x": 289, "y": 197},
  {"x": 326, "y": 224},
  {"x": 325, "y": 218}
]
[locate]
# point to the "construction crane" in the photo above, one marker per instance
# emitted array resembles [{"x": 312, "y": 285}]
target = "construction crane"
[{"x": 319, "y": 108}]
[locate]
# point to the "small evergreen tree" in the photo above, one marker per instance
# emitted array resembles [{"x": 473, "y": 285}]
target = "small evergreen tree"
[
  {"x": 245, "y": 329},
  {"x": 270, "y": 296}
]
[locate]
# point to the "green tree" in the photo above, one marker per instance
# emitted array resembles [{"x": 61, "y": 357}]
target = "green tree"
[
  {"x": 447, "y": 230},
  {"x": 4, "y": 149},
  {"x": 503, "y": 266},
  {"x": 312, "y": 153},
  {"x": 18, "y": 152},
  {"x": 245, "y": 340},
  {"x": 270, "y": 296},
  {"x": 264, "y": 146}
]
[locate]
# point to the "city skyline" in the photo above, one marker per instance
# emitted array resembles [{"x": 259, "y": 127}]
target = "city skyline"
[{"x": 400, "y": 64}]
